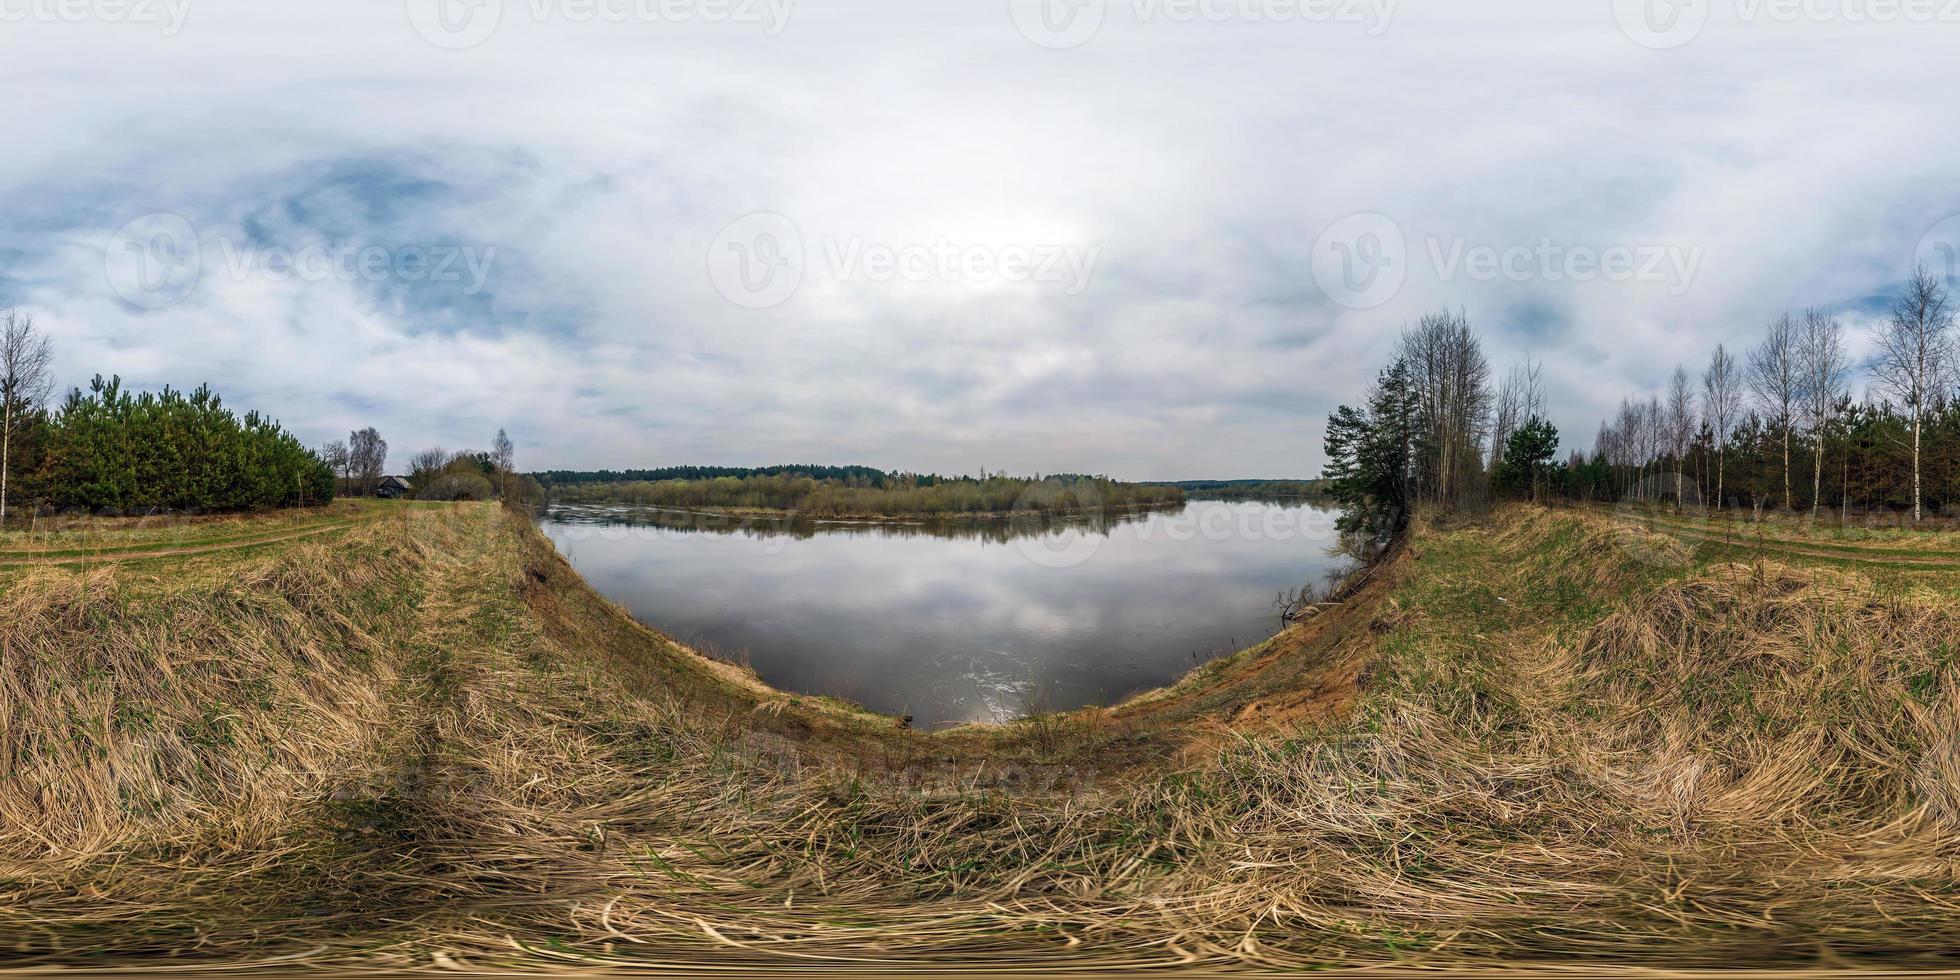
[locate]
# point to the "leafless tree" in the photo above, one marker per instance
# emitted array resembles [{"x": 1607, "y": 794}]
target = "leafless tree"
[
  {"x": 1653, "y": 438},
  {"x": 367, "y": 459},
  {"x": 502, "y": 454},
  {"x": 334, "y": 454},
  {"x": 1915, "y": 359},
  {"x": 1820, "y": 351},
  {"x": 1721, "y": 406},
  {"x": 1680, "y": 429},
  {"x": 26, "y": 378},
  {"x": 1452, "y": 378},
  {"x": 1519, "y": 400},
  {"x": 1628, "y": 443},
  {"x": 1776, "y": 378},
  {"x": 428, "y": 464}
]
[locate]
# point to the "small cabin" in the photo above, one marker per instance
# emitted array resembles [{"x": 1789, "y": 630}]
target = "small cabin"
[{"x": 392, "y": 488}]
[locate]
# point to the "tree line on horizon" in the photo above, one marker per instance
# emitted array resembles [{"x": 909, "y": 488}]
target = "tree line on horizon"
[
  {"x": 851, "y": 475},
  {"x": 108, "y": 449},
  {"x": 360, "y": 463},
  {"x": 1776, "y": 428},
  {"x": 795, "y": 490}
]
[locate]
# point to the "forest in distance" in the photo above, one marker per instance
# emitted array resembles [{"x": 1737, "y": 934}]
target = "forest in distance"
[
  {"x": 1776, "y": 428},
  {"x": 859, "y": 492}
]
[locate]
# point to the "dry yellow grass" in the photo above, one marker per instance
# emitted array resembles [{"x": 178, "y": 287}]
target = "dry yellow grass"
[{"x": 427, "y": 746}]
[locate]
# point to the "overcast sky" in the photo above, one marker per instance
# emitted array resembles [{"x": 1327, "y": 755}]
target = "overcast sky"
[{"x": 1103, "y": 237}]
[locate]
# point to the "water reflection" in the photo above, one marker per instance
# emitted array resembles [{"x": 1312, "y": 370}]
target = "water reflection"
[
  {"x": 621, "y": 521},
  {"x": 959, "y": 620}
]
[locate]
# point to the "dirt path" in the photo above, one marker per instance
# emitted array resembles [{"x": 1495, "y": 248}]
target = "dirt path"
[
  {"x": 17, "y": 560},
  {"x": 1784, "y": 547}
]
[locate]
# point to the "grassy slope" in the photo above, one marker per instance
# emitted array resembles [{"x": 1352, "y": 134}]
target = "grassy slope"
[{"x": 1546, "y": 735}]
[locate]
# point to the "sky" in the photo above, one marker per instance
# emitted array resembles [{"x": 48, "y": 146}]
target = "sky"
[{"x": 1157, "y": 239}]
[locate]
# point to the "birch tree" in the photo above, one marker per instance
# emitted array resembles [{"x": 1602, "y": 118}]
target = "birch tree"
[
  {"x": 1820, "y": 352},
  {"x": 1721, "y": 404},
  {"x": 1680, "y": 429},
  {"x": 1915, "y": 359},
  {"x": 1776, "y": 378},
  {"x": 367, "y": 459},
  {"x": 26, "y": 378}
]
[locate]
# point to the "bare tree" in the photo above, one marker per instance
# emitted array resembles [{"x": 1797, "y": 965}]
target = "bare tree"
[
  {"x": 367, "y": 459},
  {"x": 334, "y": 454},
  {"x": 1776, "y": 377},
  {"x": 1916, "y": 356},
  {"x": 26, "y": 377},
  {"x": 1680, "y": 429},
  {"x": 1452, "y": 380},
  {"x": 1628, "y": 443},
  {"x": 1653, "y": 438},
  {"x": 502, "y": 454},
  {"x": 428, "y": 464},
  {"x": 1820, "y": 351},
  {"x": 1721, "y": 404},
  {"x": 1520, "y": 399}
]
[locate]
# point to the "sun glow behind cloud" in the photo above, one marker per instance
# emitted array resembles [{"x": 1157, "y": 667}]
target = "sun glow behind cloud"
[{"x": 1802, "y": 163}]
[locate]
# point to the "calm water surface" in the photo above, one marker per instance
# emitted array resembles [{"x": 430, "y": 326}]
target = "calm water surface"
[{"x": 965, "y": 621}]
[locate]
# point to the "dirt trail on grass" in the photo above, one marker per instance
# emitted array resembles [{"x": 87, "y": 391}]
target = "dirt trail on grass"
[
  {"x": 1742, "y": 538},
  {"x": 16, "y": 559}
]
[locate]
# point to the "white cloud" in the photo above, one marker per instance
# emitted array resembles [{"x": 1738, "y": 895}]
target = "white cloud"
[{"x": 1802, "y": 161}]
